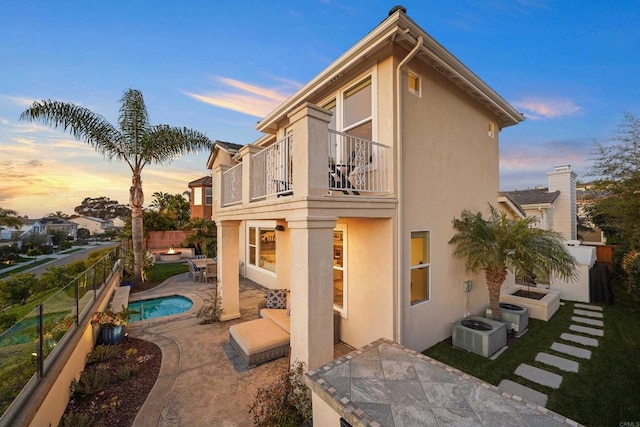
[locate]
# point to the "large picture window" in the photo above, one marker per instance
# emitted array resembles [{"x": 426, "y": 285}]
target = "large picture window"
[
  {"x": 261, "y": 246},
  {"x": 420, "y": 266}
]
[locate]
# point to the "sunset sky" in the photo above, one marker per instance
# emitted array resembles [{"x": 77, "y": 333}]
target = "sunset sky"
[{"x": 571, "y": 67}]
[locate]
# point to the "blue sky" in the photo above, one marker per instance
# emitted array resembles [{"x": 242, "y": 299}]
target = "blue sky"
[{"x": 571, "y": 67}]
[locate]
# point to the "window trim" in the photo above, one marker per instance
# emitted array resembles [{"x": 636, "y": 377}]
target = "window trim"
[{"x": 418, "y": 266}]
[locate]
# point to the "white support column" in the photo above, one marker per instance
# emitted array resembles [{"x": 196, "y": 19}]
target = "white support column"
[
  {"x": 228, "y": 274},
  {"x": 312, "y": 290}
]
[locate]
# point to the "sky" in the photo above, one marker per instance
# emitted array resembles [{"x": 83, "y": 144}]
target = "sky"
[{"x": 571, "y": 67}]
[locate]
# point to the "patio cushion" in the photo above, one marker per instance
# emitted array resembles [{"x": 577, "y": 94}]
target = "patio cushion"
[
  {"x": 279, "y": 316},
  {"x": 257, "y": 336},
  {"x": 277, "y": 298}
]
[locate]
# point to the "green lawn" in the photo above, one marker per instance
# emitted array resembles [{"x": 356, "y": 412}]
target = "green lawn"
[{"x": 605, "y": 390}]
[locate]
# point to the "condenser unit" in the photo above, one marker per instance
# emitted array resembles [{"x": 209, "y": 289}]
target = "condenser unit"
[
  {"x": 479, "y": 335},
  {"x": 515, "y": 316}
]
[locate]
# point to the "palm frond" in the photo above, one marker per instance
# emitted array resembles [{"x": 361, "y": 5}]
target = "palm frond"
[
  {"x": 79, "y": 122},
  {"x": 134, "y": 120},
  {"x": 164, "y": 143}
]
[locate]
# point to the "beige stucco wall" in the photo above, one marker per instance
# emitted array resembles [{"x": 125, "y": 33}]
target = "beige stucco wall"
[
  {"x": 370, "y": 281},
  {"x": 449, "y": 164}
]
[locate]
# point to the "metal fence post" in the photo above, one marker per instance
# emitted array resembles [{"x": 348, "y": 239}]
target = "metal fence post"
[{"x": 40, "y": 341}]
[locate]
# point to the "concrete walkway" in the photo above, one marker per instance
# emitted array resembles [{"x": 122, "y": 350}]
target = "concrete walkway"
[
  {"x": 202, "y": 380},
  {"x": 570, "y": 354}
]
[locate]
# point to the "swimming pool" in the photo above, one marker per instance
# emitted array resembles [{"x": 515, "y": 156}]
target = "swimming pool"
[{"x": 159, "y": 307}]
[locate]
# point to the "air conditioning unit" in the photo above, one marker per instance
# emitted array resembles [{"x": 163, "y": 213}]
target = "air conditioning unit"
[
  {"x": 479, "y": 335},
  {"x": 515, "y": 316}
]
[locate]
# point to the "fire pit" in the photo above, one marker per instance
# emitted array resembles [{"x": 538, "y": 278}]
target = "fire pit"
[{"x": 170, "y": 256}]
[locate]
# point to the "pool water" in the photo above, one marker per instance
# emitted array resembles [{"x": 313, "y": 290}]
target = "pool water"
[{"x": 159, "y": 307}]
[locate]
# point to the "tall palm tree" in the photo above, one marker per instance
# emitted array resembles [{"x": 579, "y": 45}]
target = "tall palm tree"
[
  {"x": 497, "y": 244},
  {"x": 135, "y": 142}
]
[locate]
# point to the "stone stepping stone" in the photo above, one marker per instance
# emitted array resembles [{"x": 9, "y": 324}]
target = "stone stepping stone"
[
  {"x": 587, "y": 330},
  {"x": 588, "y": 307},
  {"x": 539, "y": 376},
  {"x": 524, "y": 392},
  {"x": 588, "y": 313},
  {"x": 592, "y": 322},
  {"x": 571, "y": 350},
  {"x": 591, "y": 342},
  {"x": 559, "y": 362}
]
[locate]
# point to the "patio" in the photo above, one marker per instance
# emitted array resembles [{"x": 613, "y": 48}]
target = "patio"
[{"x": 202, "y": 380}]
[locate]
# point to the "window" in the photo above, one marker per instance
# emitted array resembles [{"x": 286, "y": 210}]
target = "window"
[
  {"x": 339, "y": 270},
  {"x": 208, "y": 196},
  {"x": 420, "y": 266},
  {"x": 353, "y": 110},
  {"x": 197, "y": 196},
  {"x": 414, "y": 82},
  {"x": 262, "y": 247},
  {"x": 491, "y": 130}
]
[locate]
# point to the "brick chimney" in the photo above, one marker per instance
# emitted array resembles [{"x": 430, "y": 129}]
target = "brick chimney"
[{"x": 563, "y": 179}]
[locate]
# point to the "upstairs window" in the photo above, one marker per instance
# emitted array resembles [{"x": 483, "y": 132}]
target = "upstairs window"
[
  {"x": 491, "y": 130},
  {"x": 414, "y": 82},
  {"x": 208, "y": 196},
  {"x": 197, "y": 196}
]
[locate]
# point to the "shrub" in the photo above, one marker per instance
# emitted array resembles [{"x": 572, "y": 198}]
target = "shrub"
[
  {"x": 104, "y": 352},
  {"x": 284, "y": 403},
  {"x": 90, "y": 382},
  {"x": 211, "y": 309},
  {"x": 16, "y": 288},
  {"x": 126, "y": 371},
  {"x": 73, "y": 419},
  {"x": 633, "y": 277}
]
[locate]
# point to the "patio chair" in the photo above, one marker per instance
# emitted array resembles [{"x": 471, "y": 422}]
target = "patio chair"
[
  {"x": 210, "y": 271},
  {"x": 200, "y": 256},
  {"x": 194, "y": 272}
]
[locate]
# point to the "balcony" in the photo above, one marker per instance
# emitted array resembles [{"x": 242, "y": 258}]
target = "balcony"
[{"x": 355, "y": 167}]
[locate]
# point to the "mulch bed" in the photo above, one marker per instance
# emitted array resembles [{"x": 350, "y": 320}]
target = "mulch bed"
[{"x": 119, "y": 403}]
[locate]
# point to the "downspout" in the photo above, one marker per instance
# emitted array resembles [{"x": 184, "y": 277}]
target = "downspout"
[{"x": 399, "y": 231}]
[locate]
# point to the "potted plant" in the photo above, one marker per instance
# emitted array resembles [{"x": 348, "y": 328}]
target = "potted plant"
[{"x": 112, "y": 324}]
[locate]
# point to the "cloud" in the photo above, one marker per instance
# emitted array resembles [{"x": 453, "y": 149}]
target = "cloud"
[
  {"x": 16, "y": 100},
  {"x": 539, "y": 108},
  {"x": 244, "y": 97}
]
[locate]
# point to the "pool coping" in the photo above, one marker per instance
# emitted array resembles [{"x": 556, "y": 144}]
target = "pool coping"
[{"x": 195, "y": 298}]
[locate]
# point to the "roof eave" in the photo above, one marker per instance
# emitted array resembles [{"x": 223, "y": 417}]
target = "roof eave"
[{"x": 399, "y": 24}]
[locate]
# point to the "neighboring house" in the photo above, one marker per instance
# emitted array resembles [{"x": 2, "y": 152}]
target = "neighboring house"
[
  {"x": 553, "y": 206},
  {"x": 118, "y": 223},
  {"x": 348, "y": 198},
  {"x": 201, "y": 197},
  {"x": 53, "y": 225},
  {"x": 95, "y": 225}
]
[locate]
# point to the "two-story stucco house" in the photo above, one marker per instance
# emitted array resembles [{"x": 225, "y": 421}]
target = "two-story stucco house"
[{"x": 348, "y": 198}]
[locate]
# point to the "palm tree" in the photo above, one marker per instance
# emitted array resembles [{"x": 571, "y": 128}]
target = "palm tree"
[
  {"x": 499, "y": 243},
  {"x": 10, "y": 218},
  {"x": 204, "y": 236},
  {"x": 58, "y": 214},
  {"x": 135, "y": 142}
]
